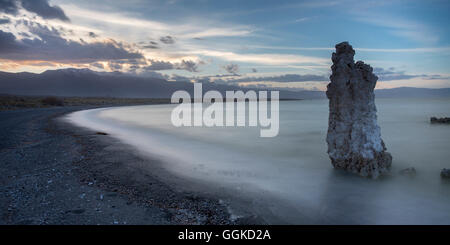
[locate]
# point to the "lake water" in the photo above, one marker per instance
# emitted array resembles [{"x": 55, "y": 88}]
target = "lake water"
[{"x": 290, "y": 175}]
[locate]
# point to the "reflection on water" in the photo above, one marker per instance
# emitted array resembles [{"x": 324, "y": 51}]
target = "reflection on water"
[{"x": 294, "y": 167}]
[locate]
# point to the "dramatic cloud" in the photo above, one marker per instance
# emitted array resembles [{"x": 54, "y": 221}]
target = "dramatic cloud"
[
  {"x": 43, "y": 9},
  {"x": 174, "y": 38},
  {"x": 92, "y": 34},
  {"x": 39, "y": 7},
  {"x": 8, "y": 6},
  {"x": 52, "y": 47},
  {"x": 151, "y": 46},
  {"x": 4, "y": 21},
  {"x": 156, "y": 65},
  {"x": 115, "y": 66},
  {"x": 177, "y": 78},
  {"x": 187, "y": 65},
  {"x": 231, "y": 68},
  {"x": 167, "y": 40},
  {"x": 98, "y": 65},
  {"x": 7, "y": 43}
]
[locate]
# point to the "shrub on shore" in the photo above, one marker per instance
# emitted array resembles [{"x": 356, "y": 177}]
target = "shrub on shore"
[{"x": 52, "y": 101}]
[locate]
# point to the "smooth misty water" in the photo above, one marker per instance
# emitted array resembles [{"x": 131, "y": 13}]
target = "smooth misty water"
[{"x": 291, "y": 174}]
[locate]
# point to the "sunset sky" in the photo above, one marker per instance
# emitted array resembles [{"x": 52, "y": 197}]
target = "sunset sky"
[{"x": 259, "y": 43}]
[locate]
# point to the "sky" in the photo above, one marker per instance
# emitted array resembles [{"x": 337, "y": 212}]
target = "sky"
[{"x": 276, "y": 44}]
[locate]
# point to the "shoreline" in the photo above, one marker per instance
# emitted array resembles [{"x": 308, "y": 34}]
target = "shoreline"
[{"x": 63, "y": 174}]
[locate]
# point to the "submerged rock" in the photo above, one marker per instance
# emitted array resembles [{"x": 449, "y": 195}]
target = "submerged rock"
[
  {"x": 354, "y": 138},
  {"x": 408, "y": 172},
  {"x": 445, "y": 173}
]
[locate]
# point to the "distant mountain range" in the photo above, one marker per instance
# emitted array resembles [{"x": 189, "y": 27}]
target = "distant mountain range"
[
  {"x": 412, "y": 92},
  {"x": 88, "y": 83}
]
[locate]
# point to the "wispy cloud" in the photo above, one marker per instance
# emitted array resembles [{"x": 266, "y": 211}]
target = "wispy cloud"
[
  {"x": 409, "y": 29},
  {"x": 261, "y": 58},
  {"x": 376, "y": 50},
  {"x": 392, "y": 74},
  {"x": 408, "y": 50},
  {"x": 187, "y": 29},
  {"x": 301, "y": 19},
  {"x": 288, "y": 78}
]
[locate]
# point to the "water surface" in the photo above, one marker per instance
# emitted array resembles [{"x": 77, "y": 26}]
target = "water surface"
[{"x": 293, "y": 169}]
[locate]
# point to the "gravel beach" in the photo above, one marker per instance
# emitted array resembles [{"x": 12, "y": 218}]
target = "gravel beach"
[{"x": 55, "y": 173}]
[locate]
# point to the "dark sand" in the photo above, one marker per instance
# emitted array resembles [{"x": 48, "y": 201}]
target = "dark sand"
[{"x": 55, "y": 173}]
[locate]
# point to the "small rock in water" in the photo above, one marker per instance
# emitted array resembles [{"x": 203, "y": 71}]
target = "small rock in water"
[
  {"x": 101, "y": 133},
  {"x": 445, "y": 173},
  {"x": 440, "y": 120},
  {"x": 408, "y": 172}
]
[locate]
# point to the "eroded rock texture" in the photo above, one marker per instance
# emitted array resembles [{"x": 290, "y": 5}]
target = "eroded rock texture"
[{"x": 354, "y": 138}]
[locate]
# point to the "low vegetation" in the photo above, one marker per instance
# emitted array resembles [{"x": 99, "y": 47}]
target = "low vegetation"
[
  {"x": 13, "y": 102},
  {"x": 52, "y": 101}
]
